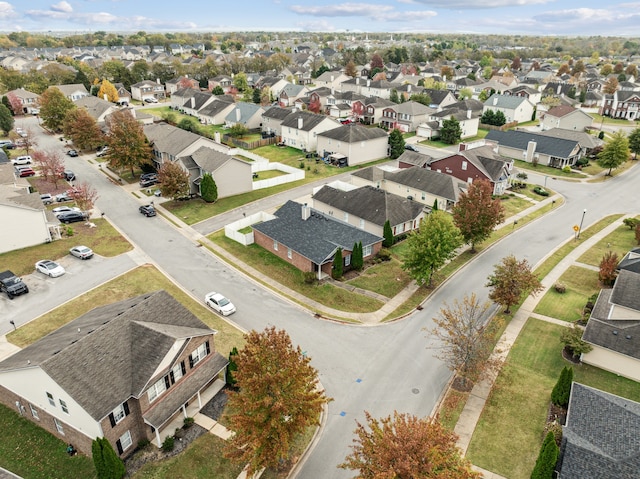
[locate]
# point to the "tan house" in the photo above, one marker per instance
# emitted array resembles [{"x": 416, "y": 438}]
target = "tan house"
[
  {"x": 147, "y": 89},
  {"x": 72, "y": 91},
  {"x": 565, "y": 117},
  {"x": 614, "y": 328},
  {"x": 97, "y": 108},
  {"x": 128, "y": 371},
  {"x": 357, "y": 143},
  {"x": 28, "y": 99},
  {"x": 301, "y": 128}
]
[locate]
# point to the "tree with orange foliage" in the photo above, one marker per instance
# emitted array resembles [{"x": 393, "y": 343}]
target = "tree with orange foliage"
[
  {"x": 85, "y": 196},
  {"x": 51, "y": 165}
]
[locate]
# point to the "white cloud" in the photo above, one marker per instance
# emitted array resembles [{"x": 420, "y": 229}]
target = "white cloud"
[
  {"x": 62, "y": 7},
  {"x": 576, "y": 14},
  {"x": 6, "y": 10},
  {"x": 479, "y": 4},
  {"x": 342, "y": 10}
]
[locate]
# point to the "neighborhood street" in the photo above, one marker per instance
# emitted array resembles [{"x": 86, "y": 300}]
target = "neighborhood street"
[{"x": 378, "y": 368}]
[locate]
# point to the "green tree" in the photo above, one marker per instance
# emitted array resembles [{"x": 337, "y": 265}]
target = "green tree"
[
  {"x": 562, "y": 390},
  {"x": 53, "y": 108},
  {"x": 573, "y": 342},
  {"x": 238, "y": 130},
  {"x": 634, "y": 142},
  {"x": 499, "y": 118},
  {"x": 387, "y": 232},
  {"x": 431, "y": 246},
  {"x": 7, "y": 103},
  {"x": 583, "y": 96},
  {"x": 108, "y": 465},
  {"x": 357, "y": 261},
  {"x": 465, "y": 94},
  {"x": 405, "y": 446},
  {"x": 82, "y": 129},
  {"x": 477, "y": 213},
  {"x": 451, "y": 132},
  {"x": 488, "y": 117},
  {"x": 483, "y": 96},
  {"x": 546, "y": 462},
  {"x": 393, "y": 96},
  {"x": 174, "y": 181},
  {"x": 6, "y": 118},
  {"x": 396, "y": 144},
  {"x": 208, "y": 188},
  {"x": 511, "y": 279},
  {"x": 217, "y": 90},
  {"x": 240, "y": 81},
  {"x": 422, "y": 98},
  {"x": 277, "y": 400},
  {"x": 435, "y": 205},
  {"x": 615, "y": 151},
  {"x": 336, "y": 271},
  {"x": 232, "y": 367},
  {"x": 256, "y": 96},
  {"x": 128, "y": 145}
]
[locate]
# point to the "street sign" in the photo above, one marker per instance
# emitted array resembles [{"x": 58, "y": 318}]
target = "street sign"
[{"x": 576, "y": 228}]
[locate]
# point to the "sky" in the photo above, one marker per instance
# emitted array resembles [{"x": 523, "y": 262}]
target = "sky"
[{"x": 523, "y": 17}]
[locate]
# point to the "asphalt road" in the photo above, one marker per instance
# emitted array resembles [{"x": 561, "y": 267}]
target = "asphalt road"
[{"x": 381, "y": 368}]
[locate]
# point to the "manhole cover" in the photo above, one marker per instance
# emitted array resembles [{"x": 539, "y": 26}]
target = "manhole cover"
[{"x": 415, "y": 391}]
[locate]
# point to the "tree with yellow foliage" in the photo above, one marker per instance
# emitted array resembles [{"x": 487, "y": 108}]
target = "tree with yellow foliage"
[{"x": 107, "y": 88}]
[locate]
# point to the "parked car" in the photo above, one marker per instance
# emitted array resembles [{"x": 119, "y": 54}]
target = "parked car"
[
  {"x": 64, "y": 209},
  {"x": 102, "y": 151},
  {"x": 151, "y": 100},
  {"x": 46, "y": 198},
  {"x": 219, "y": 303},
  {"x": 147, "y": 210},
  {"x": 26, "y": 172},
  {"x": 144, "y": 183},
  {"x": 22, "y": 160},
  {"x": 410, "y": 147},
  {"x": 69, "y": 175},
  {"x": 82, "y": 252},
  {"x": 72, "y": 153},
  {"x": 146, "y": 176},
  {"x": 50, "y": 268},
  {"x": 12, "y": 284},
  {"x": 6, "y": 143},
  {"x": 63, "y": 197},
  {"x": 71, "y": 217}
]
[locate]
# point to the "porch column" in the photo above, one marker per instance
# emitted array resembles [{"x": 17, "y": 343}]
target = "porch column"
[
  {"x": 199, "y": 401},
  {"x": 184, "y": 411},
  {"x": 158, "y": 441}
]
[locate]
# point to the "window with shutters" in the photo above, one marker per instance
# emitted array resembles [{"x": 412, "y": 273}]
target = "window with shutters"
[
  {"x": 156, "y": 390},
  {"x": 199, "y": 354},
  {"x": 125, "y": 441},
  {"x": 177, "y": 372},
  {"x": 118, "y": 414}
]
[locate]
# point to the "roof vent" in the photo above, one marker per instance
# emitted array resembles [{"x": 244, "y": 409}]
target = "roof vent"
[
  {"x": 615, "y": 332},
  {"x": 628, "y": 336}
]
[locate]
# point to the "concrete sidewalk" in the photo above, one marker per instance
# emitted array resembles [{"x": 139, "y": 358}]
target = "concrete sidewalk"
[{"x": 477, "y": 399}]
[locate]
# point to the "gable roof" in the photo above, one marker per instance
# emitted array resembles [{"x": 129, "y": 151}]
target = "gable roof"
[
  {"x": 600, "y": 438},
  {"x": 96, "y": 107},
  {"x": 111, "y": 353},
  {"x": 354, "y": 133},
  {"x": 316, "y": 238},
  {"x": 277, "y": 113},
  {"x": 560, "y": 147},
  {"x": 509, "y": 102},
  {"x": 216, "y": 106},
  {"x": 583, "y": 138},
  {"x": 412, "y": 108},
  {"x": 247, "y": 111},
  {"x": 371, "y": 204},
  {"x": 483, "y": 157},
  {"x": 561, "y": 110},
  {"x": 170, "y": 139},
  {"x": 309, "y": 120},
  {"x": 631, "y": 261},
  {"x": 210, "y": 160},
  {"x": 71, "y": 88}
]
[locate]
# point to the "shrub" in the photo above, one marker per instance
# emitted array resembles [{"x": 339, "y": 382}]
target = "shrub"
[
  {"x": 301, "y": 165},
  {"x": 387, "y": 232},
  {"x": 554, "y": 428},
  {"x": 562, "y": 389},
  {"x": 168, "y": 444},
  {"x": 384, "y": 255},
  {"x": 540, "y": 191},
  {"x": 188, "y": 422},
  {"x": 582, "y": 162},
  {"x": 546, "y": 462},
  {"x": 566, "y": 169},
  {"x": 522, "y": 175},
  {"x": 336, "y": 272},
  {"x": 630, "y": 223},
  {"x": 143, "y": 443},
  {"x": 560, "y": 288},
  {"x": 309, "y": 277},
  {"x": 68, "y": 231}
]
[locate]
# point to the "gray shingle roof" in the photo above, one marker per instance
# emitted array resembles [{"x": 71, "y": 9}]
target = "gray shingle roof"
[
  {"x": 584, "y": 139},
  {"x": 510, "y": 102},
  {"x": 631, "y": 261},
  {"x": 354, "y": 133},
  {"x": 315, "y": 238},
  {"x": 111, "y": 353},
  {"x": 625, "y": 290},
  {"x": 215, "y": 107},
  {"x": 94, "y": 106},
  {"x": 309, "y": 120},
  {"x": 247, "y": 111},
  {"x": 371, "y": 204},
  {"x": 169, "y": 139},
  {"x": 600, "y": 439},
  {"x": 560, "y": 147},
  {"x": 491, "y": 164},
  {"x": 277, "y": 112}
]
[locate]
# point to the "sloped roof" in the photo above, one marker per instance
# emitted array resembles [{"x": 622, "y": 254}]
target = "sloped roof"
[
  {"x": 316, "y": 238},
  {"x": 415, "y": 158},
  {"x": 560, "y": 147},
  {"x": 412, "y": 108},
  {"x": 371, "y": 204},
  {"x": 584, "y": 139},
  {"x": 309, "y": 120},
  {"x": 111, "y": 353},
  {"x": 71, "y": 88},
  {"x": 561, "y": 110},
  {"x": 96, "y": 107},
  {"x": 277, "y": 113},
  {"x": 484, "y": 158},
  {"x": 631, "y": 261},
  {"x": 170, "y": 139},
  {"x": 210, "y": 160},
  {"x": 625, "y": 290},
  {"x": 247, "y": 111},
  {"x": 215, "y": 107},
  {"x": 600, "y": 438},
  {"x": 509, "y": 102},
  {"x": 354, "y": 133}
]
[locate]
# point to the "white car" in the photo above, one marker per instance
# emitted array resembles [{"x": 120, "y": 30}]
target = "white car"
[
  {"x": 151, "y": 100},
  {"x": 50, "y": 268},
  {"x": 82, "y": 252},
  {"x": 64, "y": 209},
  {"x": 219, "y": 303},
  {"x": 22, "y": 160}
]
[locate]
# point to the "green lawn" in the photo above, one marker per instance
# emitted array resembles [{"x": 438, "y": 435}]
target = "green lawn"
[
  {"x": 513, "y": 205},
  {"x": 141, "y": 280},
  {"x": 509, "y": 434},
  {"x": 387, "y": 278},
  {"x": 547, "y": 170},
  {"x": 291, "y": 277},
  {"x": 581, "y": 283},
  {"x": 619, "y": 241},
  {"x": 33, "y": 453},
  {"x": 103, "y": 240}
]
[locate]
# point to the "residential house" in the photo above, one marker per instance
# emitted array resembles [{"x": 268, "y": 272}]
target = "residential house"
[
  {"x": 73, "y": 91},
  {"x": 440, "y": 99},
  {"x": 622, "y": 104},
  {"x": 147, "y": 89},
  {"x": 515, "y": 108},
  {"x": 630, "y": 261},
  {"x": 419, "y": 184},
  {"x": 565, "y": 117},
  {"x": 474, "y": 162},
  {"x": 466, "y": 112},
  {"x": 370, "y": 110},
  {"x": 28, "y": 99},
  {"x": 600, "y": 436},
  {"x": 586, "y": 141},
  {"x": 197, "y": 102},
  {"x": 129, "y": 371},
  {"x": 232, "y": 175},
  {"x": 168, "y": 143},
  {"x": 536, "y": 148},
  {"x": 223, "y": 81},
  {"x": 369, "y": 88},
  {"x": 215, "y": 112},
  {"x": 176, "y": 84},
  {"x": 406, "y": 116},
  {"x": 97, "y": 108},
  {"x": 273, "y": 84},
  {"x": 308, "y": 239},
  {"x": 525, "y": 91},
  {"x": 410, "y": 158},
  {"x": 24, "y": 212},
  {"x": 331, "y": 79},
  {"x": 290, "y": 93},
  {"x": 124, "y": 95},
  {"x": 369, "y": 208},
  {"x": 247, "y": 114},
  {"x": 359, "y": 144},
  {"x": 300, "y": 129},
  {"x": 613, "y": 328},
  {"x": 272, "y": 120}
]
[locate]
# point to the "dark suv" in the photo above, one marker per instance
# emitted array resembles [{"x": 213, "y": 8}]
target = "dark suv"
[
  {"x": 148, "y": 179},
  {"x": 71, "y": 217},
  {"x": 147, "y": 210}
]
